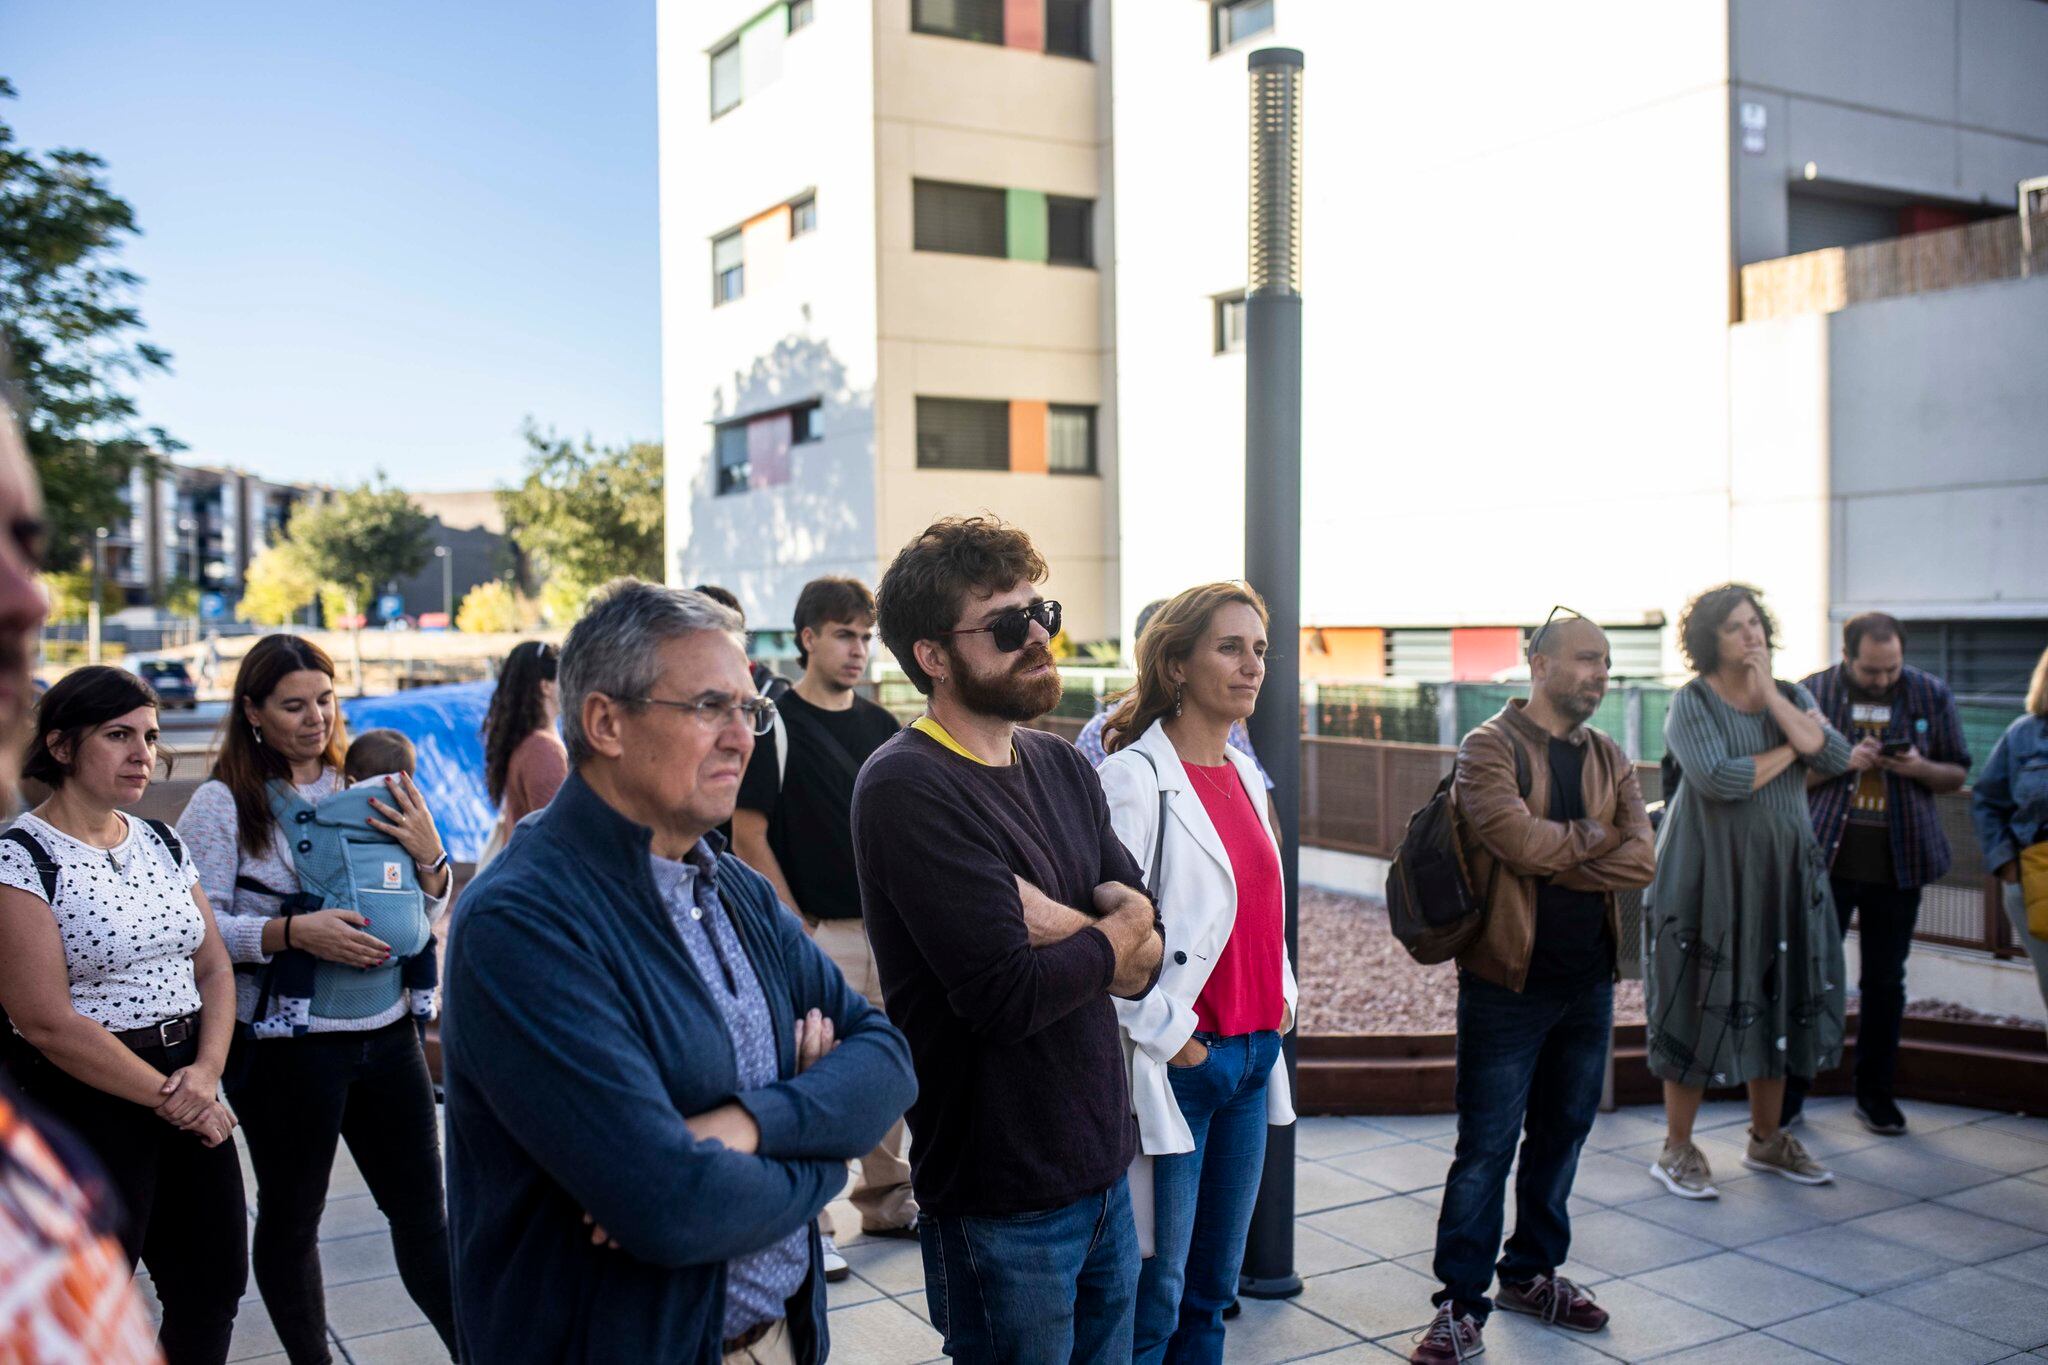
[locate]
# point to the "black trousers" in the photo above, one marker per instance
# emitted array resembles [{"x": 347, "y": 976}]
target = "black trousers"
[
  {"x": 185, "y": 1216},
  {"x": 1889, "y": 914},
  {"x": 296, "y": 1099}
]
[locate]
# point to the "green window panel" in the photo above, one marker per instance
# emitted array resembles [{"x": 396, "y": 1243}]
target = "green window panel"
[
  {"x": 761, "y": 49},
  {"x": 1028, "y": 235}
]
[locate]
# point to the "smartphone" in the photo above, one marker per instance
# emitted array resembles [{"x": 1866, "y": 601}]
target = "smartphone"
[{"x": 1897, "y": 748}]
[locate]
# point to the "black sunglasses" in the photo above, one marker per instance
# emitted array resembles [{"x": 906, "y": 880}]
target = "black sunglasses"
[
  {"x": 1013, "y": 627},
  {"x": 1536, "y": 640}
]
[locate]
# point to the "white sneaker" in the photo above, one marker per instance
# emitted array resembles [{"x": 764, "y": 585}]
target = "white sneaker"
[{"x": 836, "y": 1268}]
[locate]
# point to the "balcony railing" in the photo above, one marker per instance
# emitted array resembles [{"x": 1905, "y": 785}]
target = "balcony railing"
[{"x": 1830, "y": 280}]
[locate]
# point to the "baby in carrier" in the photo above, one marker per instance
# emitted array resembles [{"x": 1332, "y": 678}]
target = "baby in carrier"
[{"x": 345, "y": 863}]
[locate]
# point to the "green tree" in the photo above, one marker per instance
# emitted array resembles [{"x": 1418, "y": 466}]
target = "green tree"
[
  {"x": 360, "y": 539},
  {"x": 488, "y": 608},
  {"x": 586, "y": 514},
  {"x": 278, "y": 586},
  {"x": 181, "y": 597},
  {"x": 72, "y": 333},
  {"x": 71, "y": 595}
]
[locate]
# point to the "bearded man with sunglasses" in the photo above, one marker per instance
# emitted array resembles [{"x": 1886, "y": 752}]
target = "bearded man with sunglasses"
[
  {"x": 655, "y": 1078},
  {"x": 1004, "y": 913}
]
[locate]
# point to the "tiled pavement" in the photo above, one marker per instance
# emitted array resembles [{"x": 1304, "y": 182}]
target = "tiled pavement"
[{"x": 1928, "y": 1248}]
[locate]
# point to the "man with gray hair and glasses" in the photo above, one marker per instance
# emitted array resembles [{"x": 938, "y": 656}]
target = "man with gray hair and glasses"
[{"x": 654, "y": 1078}]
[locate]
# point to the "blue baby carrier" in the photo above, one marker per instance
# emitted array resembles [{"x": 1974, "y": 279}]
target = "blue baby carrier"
[{"x": 344, "y": 864}]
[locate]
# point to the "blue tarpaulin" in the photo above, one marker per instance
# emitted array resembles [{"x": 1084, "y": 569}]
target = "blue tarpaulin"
[{"x": 445, "y": 724}]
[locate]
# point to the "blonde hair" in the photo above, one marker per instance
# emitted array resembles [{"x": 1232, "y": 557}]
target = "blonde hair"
[
  {"x": 2037, "y": 690},
  {"x": 1169, "y": 638}
]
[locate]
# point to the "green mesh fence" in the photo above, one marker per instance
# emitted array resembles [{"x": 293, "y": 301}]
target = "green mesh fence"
[{"x": 1401, "y": 714}]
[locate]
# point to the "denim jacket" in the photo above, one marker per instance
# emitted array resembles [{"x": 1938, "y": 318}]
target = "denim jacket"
[{"x": 2010, "y": 800}]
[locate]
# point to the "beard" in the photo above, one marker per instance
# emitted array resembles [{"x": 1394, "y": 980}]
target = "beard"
[
  {"x": 1576, "y": 704},
  {"x": 1006, "y": 694},
  {"x": 16, "y": 715}
]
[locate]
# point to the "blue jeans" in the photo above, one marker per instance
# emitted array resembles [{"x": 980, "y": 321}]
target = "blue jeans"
[
  {"x": 1035, "y": 1288},
  {"x": 1523, "y": 1061},
  {"x": 1203, "y": 1200}
]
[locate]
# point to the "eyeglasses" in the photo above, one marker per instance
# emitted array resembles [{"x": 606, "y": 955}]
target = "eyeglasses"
[
  {"x": 1536, "y": 640},
  {"x": 714, "y": 713},
  {"x": 1013, "y": 627}
]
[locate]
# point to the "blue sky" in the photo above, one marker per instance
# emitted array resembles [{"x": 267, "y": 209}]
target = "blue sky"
[{"x": 376, "y": 235}]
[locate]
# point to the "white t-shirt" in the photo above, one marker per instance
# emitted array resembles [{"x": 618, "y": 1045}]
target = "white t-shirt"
[{"x": 129, "y": 922}]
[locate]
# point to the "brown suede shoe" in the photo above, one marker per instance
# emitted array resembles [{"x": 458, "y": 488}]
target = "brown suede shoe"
[{"x": 1556, "y": 1300}]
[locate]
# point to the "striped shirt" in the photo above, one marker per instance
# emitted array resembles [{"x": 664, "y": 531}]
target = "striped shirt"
[{"x": 1923, "y": 713}]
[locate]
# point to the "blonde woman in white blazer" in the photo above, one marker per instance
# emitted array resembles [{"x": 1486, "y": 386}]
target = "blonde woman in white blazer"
[{"x": 1204, "y": 1045}]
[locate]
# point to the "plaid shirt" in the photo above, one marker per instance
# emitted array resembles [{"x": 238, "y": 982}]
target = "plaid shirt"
[{"x": 1923, "y": 714}]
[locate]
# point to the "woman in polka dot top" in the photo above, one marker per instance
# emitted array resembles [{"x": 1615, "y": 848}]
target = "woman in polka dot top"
[{"x": 122, "y": 1000}]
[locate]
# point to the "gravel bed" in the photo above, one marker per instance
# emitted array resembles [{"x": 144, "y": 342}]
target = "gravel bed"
[{"x": 1356, "y": 978}]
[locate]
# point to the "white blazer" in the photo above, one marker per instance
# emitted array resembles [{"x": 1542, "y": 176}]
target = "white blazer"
[{"x": 1198, "y": 903}]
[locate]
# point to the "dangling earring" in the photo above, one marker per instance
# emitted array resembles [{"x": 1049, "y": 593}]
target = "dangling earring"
[
  {"x": 1178, "y": 690},
  {"x": 256, "y": 734}
]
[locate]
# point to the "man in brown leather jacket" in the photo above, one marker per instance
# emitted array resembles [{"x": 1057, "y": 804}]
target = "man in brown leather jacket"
[{"x": 1536, "y": 991}]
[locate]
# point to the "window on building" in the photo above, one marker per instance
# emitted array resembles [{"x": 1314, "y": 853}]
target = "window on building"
[
  {"x": 965, "y": 219},
  {"x": 803, "y": 216},
  {"x": 978, "y": 21},
  {"x": 1070, "y": 236},
  {"x": 962, "y": 433},
  {"x": 732, "y": 458},
  {"x": 1989, "y": 659},
  {"x": 725, "y": 78},
  {"x": 800, "y": 14},
  {"x": 1070, "y": 439},
  {"x": 1066, "y": 28},
  {"x": 1229, "y": 323},
  {"x": 1233, "y": 21},
  {"x": 807, "y": 424},
  {"x": 728, "y": 270}
]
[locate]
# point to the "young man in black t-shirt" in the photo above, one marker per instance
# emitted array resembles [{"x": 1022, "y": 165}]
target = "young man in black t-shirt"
[
  {"x": 794, "y": 825},
  {"x": 1004, "y": 912}
]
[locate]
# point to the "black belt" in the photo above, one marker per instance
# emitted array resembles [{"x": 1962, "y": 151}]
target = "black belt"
[
  {"x": 168, "y": 1034},
  {"x": 750, "y": 1336}
]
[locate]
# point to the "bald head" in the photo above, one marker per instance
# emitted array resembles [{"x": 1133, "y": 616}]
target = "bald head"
[
  {"x": 22, "y": 604},
  {"x": 1568, "y": 671}
]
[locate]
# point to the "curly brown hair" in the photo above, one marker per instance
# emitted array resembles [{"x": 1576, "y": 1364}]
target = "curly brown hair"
[
  {"x": 920, "y": 595},
  {"x": 1699, "y": 625}
]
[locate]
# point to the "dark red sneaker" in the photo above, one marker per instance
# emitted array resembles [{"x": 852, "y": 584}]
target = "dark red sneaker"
[
  {"x": 1556, "y": 1300},
  {"x": 1448, "y": 1340}
]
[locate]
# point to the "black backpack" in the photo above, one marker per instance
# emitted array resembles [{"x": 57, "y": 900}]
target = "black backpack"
[{"x": 1432, "y": 906}]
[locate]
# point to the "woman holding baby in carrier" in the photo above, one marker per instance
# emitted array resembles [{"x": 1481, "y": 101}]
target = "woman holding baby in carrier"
[{"x": 326, "y": 996}]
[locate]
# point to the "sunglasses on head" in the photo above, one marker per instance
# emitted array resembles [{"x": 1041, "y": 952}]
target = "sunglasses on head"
[
  {"x": 1013, "y": 627},
  {"x": 1536, "y": 640}
]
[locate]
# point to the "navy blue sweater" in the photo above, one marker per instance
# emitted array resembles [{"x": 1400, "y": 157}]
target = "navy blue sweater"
[{"x": 577, "y": 1038}]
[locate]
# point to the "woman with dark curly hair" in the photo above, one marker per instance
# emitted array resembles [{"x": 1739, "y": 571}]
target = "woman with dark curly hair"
[
  {"x": 524, "y": 760},
  {"x": 1743, "y": 972}
]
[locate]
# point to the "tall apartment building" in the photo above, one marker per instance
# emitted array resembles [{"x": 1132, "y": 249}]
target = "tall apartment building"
[
  {"x": 1529, "y": 373},
  {"x": 197, "y": 524},
  {"x": 887, "y": 287},
  {"x": 1564, "y": 339}
]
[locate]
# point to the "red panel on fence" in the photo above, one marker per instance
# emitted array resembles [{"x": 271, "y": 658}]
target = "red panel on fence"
[
  {"x": 1480, "y": 652},
  {"x": 1024, "y": 24}
]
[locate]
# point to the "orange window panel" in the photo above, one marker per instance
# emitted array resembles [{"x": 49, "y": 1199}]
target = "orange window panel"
[{"x": 1027, "y": 437}]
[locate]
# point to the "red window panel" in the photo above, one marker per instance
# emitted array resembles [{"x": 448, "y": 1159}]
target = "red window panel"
[{"x": 1480, "y": 652}]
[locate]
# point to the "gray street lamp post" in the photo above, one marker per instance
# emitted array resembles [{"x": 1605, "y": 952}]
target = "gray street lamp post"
[
  {"x": 92, "y": 606},
  {"x": 447, "y": 583},
  {"x": 1272, "y": 558}
]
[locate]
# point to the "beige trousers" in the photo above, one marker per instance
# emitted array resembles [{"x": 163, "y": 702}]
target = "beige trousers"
[
  {"x": 774, "y": 1348},
  {"x": 882, "y": 1192}
]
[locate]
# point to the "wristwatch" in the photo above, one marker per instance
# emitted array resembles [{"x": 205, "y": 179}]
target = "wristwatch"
[{"x": 431, "y": 868}]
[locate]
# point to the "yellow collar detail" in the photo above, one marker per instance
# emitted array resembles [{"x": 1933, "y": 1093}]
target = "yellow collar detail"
[{"x": 927, "y": 726}]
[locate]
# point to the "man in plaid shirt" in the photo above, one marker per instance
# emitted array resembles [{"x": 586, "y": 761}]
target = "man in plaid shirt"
[{"x": 1877, "y": 827}]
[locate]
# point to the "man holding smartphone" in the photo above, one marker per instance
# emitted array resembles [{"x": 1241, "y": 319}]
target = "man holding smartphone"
[{"x": 1878, "y": 826}]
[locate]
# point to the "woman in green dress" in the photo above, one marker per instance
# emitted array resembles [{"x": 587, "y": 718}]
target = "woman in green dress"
[{"x": 1743, "y": 978}]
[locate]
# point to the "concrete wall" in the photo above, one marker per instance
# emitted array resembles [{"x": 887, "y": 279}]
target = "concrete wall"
[
  {"x": 1891, "y": 457},
  {"x": 1517, "y": 292},
  {"x": 975, "y": 327},
  {"x": 1935, "y": 99},
  {"x": 807, "y": 333}
]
